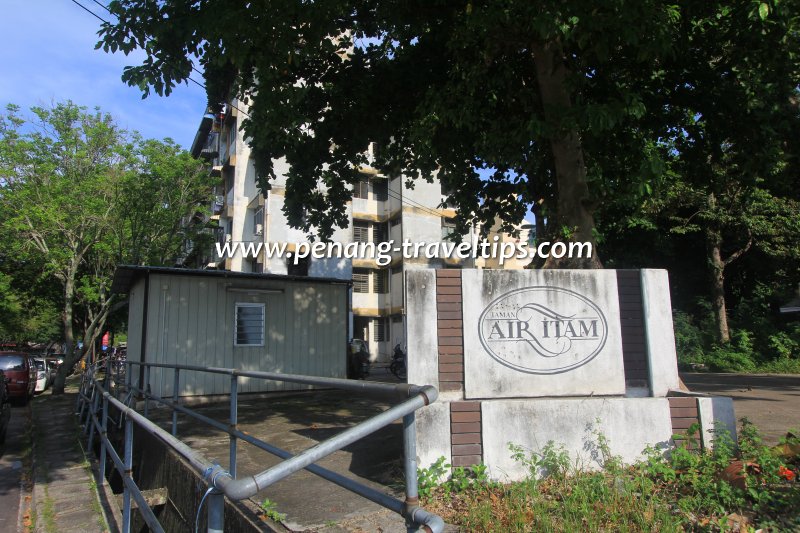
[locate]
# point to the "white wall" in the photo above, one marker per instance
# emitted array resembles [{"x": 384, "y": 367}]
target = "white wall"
[{"x": 190, "y": 320}]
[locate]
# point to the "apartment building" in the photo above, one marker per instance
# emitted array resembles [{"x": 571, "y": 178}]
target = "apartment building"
[{"x": 382, "y": 209}]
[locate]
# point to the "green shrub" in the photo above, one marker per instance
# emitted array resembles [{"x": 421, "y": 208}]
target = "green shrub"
[
  {"x": 688, "y": 339},
  {"x": 688, "y": 489},
  {"x": 736, "y": 356}
]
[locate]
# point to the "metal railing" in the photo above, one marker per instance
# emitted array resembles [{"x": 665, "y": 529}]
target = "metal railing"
[{"x": 95, "y": 399}]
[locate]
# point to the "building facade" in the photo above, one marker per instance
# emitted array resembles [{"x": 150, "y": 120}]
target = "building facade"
[{"x": 382, "y": 209}]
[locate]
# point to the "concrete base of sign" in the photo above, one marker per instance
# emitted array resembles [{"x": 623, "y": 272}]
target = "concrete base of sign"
[
  {"x": 629, "y": 425},
  {"x": 715, "y": 413},
  {"x": 433, "y": 433}
]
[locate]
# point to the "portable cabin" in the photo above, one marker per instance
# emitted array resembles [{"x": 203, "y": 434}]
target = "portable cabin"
[{"x": 247, "y": 321}]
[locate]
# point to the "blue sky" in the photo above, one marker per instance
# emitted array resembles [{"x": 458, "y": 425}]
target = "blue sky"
[{"x": 47, "y": 54}]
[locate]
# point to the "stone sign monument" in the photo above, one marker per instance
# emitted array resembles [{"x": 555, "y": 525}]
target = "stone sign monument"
[{"x": 532, "y": 356}]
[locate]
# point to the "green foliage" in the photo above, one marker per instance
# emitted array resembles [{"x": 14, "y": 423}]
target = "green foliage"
[
  {"x": 686, "y": 489},
  {"x": 441, "y": 479},
  {"x": 737, "y": 356},
  {"x": 79, "y": 197},
  {"x": 429, "y": 478},
  {"x": 552, "y": 460},
  {"x": 270, "y": 510},
  {"x": 760, "y": 340},
  {"x": 689, "y": 342}
]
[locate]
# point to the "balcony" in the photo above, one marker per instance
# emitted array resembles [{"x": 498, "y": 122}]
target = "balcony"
[{"x": 210, "y": 150}]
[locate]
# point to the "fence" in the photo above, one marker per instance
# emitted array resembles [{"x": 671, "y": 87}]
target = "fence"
[{"x": 95, "y": 399}]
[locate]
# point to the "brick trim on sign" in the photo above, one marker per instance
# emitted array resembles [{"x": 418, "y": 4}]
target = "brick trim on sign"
[
  {"x": 450, "y": 330},
  {"x": 466, "y": 435},
  {"x": 683, "y": 412},
  {"x": 631, "y": 315}
]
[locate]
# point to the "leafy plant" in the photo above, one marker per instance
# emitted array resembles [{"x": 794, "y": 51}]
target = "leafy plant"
[
  {"x": 270, "y": 510},
  {"x": 551, "y": 461},
  {"x": 428, "y": 478}
]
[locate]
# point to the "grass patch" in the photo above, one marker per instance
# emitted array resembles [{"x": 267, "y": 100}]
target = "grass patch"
[{"x": 685, "y": 490}]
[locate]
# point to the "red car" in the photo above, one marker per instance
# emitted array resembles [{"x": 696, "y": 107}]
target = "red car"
[{"x": 20, "y": 374}]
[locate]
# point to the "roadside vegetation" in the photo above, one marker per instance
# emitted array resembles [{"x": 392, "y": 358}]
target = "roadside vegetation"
[
  {"x": 79, "y": 195},
  {"x": 752, "y": 488},
  {"x": 759, "y": 343}
]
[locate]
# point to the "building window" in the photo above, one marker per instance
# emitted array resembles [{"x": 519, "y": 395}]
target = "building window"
[
  {"x": 379, "y": 330},
  {"x": 249, "y": 325},
  {"x": 360, "y": 231},
  {"x": 299, "y": 269},
  {"x": 448, "y": 228},
  {"x": 258, "y": 221},
  {"x": 380, "y": 281},
  {"x": 232, "y": 138},
  {"x": 379, "y": 233},
  {"x": 361, "y": 189},
  {"x": 380, "y": 190},
  {"x": 360, "y": 280}
]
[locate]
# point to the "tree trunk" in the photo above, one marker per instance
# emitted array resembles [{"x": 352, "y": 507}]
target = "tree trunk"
[
  {"x": 573, "y": 209},
  {"x": 717, "y": 266},
  {"x": 69, "y": 336}
]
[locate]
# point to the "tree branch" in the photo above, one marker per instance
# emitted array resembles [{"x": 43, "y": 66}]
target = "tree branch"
[{"x": 737, "y": 254}]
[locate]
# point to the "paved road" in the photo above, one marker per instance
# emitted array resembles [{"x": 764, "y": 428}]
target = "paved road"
[
  {"x": 770, "y": 401},
  {"x": 11, "y": 454}
]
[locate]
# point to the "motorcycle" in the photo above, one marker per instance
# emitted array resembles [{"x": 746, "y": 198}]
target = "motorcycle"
[
  {"x": 398, "y": 364},
  {"x": 358, "y": 362}
]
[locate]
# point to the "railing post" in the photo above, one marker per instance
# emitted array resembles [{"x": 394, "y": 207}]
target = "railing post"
[
  {"x": 146, "y": 390},
  {"x": 108, "y": 372},
  {"x": 128, "y": 372},
  {"x": 216, "y": 511},
  {"x": 410, "y": 465},
  {"x": 234, "y": 420},
  {"x": 79, "y": 400},
  {"x": 103, "y": 438},
  {"x": 128, "y": 464},
  {"x": 175, "y": 385},
  {"x": 91, "y": 419},
  {"x": 117, "y": 382}
]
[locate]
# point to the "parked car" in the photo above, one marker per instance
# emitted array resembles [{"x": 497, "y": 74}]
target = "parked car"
[
  {"x": 42, "y": 374},
  {"x": 52, "y": 366},
  {"x": 5, "y": 407},
  {"x": 20, "y": 373}
]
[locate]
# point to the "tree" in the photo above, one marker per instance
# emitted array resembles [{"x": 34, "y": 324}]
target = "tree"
[
  {"x": 520, "y": 88},
  {"x": 733, "y": 145},
  {"x": 80, "y": 196}
]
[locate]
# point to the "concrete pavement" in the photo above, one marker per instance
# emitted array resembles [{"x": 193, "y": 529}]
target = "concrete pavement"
[
  {"x": 14, "y": 462},
  {"x": 770, "y": 401},
  {"x": 64, "y": 492},
  {"x": 296, "y": 422}
]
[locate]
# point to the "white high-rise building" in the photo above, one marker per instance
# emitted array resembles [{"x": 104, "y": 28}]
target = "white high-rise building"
[{"x": 382, "y": 209}]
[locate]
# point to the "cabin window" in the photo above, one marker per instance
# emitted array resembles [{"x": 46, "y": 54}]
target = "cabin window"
[{"x": 249, "y": 326}]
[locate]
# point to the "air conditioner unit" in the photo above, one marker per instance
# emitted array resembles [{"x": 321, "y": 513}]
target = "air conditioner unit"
[{"x": 259, "y": 229}]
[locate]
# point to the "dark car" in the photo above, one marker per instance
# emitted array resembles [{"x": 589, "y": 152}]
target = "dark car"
[
  {"x": 21, "y": 375},
  {"x": 5, "y": 408}
]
